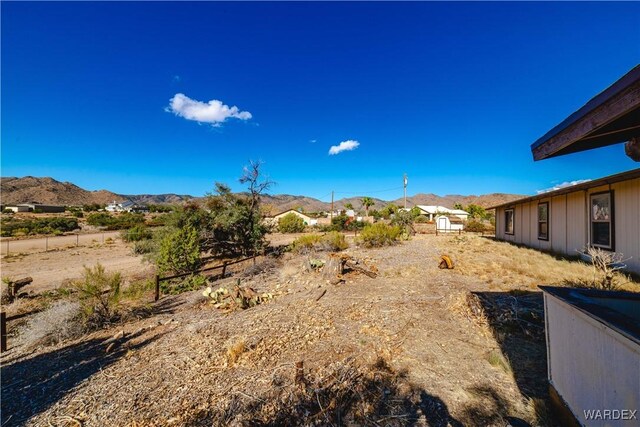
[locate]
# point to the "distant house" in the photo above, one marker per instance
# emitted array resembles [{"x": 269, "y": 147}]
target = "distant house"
[
  {"x": 307, "y": 219},
  {"x": 126, "y": 206},
  {"x": 431, "y": 212},
  {"x": 35, "y": 207}
]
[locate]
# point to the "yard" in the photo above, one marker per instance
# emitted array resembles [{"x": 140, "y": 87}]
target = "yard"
[{"x": 416, "y": 345}]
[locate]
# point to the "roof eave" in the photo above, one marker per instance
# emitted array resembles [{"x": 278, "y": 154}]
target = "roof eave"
[{"x": 614, "y": 102}]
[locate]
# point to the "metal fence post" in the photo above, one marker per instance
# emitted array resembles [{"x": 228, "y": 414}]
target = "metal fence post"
[
  {"x": 77, "y": 240},
  {"x": 7, "y": 247},
  {"x": 46, "y": 243}
]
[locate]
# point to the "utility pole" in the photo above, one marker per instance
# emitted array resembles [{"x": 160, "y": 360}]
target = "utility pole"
[
  {"x": 331, "y": 213},
  {"x": 405, "y": 190}
]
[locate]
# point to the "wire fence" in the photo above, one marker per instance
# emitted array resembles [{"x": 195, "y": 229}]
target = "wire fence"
[{"x": 48, "y": 243}]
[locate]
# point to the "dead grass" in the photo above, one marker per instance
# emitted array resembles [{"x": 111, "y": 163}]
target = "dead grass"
[
  {"x": 497, "y": 359},
  {"x": 52, "y": 326},
  {"x": 415, "y": 346},
  {"x": 468, "y": 305},
  {"x": 234, "y": 351},
  {"x": 506, "y": 266}
]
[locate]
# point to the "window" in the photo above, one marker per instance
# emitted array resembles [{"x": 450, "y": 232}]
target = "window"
[
  {"x": 543, "y": 221},
  {"x": 602, "y": 220},
  {"x": 508, "y": 221}
]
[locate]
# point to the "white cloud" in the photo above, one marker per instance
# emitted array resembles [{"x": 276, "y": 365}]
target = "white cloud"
[
  {"x": 214, "y": 111},
  {"x": 563, "y": 185},
  {"x": 343, "y": 146}
]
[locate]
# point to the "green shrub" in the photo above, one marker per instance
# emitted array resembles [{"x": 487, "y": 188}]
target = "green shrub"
[
  {"x": 99, "y": 219},
  {"x": 380, "y": 234},
  {"x": 136, "y": 234},
  {"x": 56, "y": 225},
  {"x": 99, "y": 295},
  {"x": 305, "y": 242},
  {"x": 179, "y": 251},
  {"x": 138, "y": 289},
  {"x": 421, "y": 219},
  {"x": 332, "y": 241},
  {"x": 142, "y": 247},
  {"x": 115, "y": 222},
  {"x": 291, "y": 223},
  {"x": 93, "y": 207},
  {"x": 178, "y": 286},
  {"x": 404, "y": 219},
  {"x": 473, "y": 225}
]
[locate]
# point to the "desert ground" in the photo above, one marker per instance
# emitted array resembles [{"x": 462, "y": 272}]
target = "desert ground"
[{"x": 414, "y": 345}]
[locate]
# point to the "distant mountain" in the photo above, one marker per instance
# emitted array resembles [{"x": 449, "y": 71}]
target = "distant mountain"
[
  {"x": 49, "y": 191},
  {"x": 485, "y": 200},
  {"x": 158, "y": 199}
]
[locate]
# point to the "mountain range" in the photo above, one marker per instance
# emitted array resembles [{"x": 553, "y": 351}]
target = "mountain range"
[{"x": 49, "y": 191}]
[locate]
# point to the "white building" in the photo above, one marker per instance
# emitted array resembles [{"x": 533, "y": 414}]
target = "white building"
[
  {"x": 126, "y": 206},
  {"x": 431, "y": 212}
]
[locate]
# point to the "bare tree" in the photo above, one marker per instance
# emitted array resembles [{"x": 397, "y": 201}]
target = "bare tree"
[{"x": 257, "y": 186}]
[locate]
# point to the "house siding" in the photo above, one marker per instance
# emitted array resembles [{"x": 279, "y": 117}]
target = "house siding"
[{"x": 569, "y": 222}]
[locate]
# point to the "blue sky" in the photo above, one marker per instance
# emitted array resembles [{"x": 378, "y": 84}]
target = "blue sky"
[{"x": 116, "y": 95}]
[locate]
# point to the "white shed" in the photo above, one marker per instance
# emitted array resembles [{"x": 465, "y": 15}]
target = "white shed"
[{"x": 447, "y": 224}]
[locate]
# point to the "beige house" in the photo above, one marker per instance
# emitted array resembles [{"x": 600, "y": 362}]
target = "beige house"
[
  {"x": 604, "y": 213},
  {"x": 431, "y": 211}
]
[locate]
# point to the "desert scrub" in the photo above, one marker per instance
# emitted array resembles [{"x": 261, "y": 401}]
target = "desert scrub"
[
  {"x": 144, "y": 247},
  {"x": 178, "y": 286},
  {"x": 380, "y": 234},
  {"x": 137, "y": 289},
  {"x": 475, "y": 226},
  {"x": 332, "y": 241},
  {"x": 136, "y": 234},
  {"x": 61, "y": 321},
  {"x": 99, "y": 295},
  {"x": 290, "y": 223},
  {"x": 179, "y": 251},
  {"x": 20, "y": 227}
]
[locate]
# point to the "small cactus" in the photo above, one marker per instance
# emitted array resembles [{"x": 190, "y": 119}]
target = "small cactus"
[{"x": 239, "y": 297}]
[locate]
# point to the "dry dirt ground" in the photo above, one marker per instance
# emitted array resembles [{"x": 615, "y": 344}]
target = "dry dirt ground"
[
  {"x": 55, "y": 268},
  {"x": 50, "y": 270},
  {"x": 415, "y": 345}
]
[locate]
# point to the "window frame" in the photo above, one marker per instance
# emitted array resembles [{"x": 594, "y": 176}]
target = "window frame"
[
  {"x": 513, "y": 221},
  {"x": 545, "y": 237},
  {"x": 610, "y": 221}
]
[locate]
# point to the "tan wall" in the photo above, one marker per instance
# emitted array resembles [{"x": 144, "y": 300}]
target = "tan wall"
[{"x": 569, "y": 222}]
